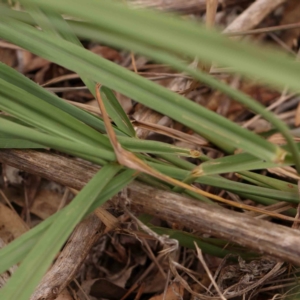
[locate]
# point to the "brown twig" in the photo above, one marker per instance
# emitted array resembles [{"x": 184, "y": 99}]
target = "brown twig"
[
  {"x": 265, "y": 29},
  {"x": 183, "y": 6},
  {"x": 259, "y": 235},
  {"x": 253, "y": 15}
]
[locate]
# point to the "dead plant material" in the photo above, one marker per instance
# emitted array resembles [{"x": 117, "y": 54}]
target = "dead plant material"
[
  {"x": 266, "y": 29},
  {"x": 239, "y": 280},
  {"x": 275, "y": 104},
  {"x": 253, "y": 15},
  {"x": 184, "y": 6},
  {"x": 11, "y": 225},
  {"x": 259, "y": 235},
  {"x": 173, "y": 133},
  {"x": 4, "y": 277},
  {"x": 291, "y": 14},
  {"x": 147, "y": 115},
  {"x": 211, "y": 11},
  {"x": 173, "y": 292},
  {"x": 200, "y": 257}
]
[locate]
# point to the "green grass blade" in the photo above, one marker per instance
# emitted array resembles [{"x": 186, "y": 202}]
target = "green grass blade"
[
  {"x": 238, "y": 188},
  {"x": 120, "y": 40},
  {"x": 116, "y": 112},
  {"x": 154, "y": 147},
  {"x": 40, "y": 257},
  {"x": 237, "y": 163},
  {"x": 45, "y": 116},
  {"x": 31, "y": 138},
  {"x": 223, "y": 183},
  {"x": 41, "y": 19},
  {"x": 269, "y": 201},
  {"x": 198, "y": 197},
  {"x": 179, "y": 36},
  {"x": 16, "y": 251},
  {"x": 117, "y": 40},
  {"x": 186, "y": 239},
  {"x": 97, "y": 154},
  {"x": 140, "y": 89},
  {"x": 175, "y": 35},
  {"x": 53, "y": 24},
  {"x": 13, "y": 77},
  {"x": 7, "y": 142},
  {"x": 269, "y": 181}
]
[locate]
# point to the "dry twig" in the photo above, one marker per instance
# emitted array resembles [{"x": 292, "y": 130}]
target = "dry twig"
[
  {"x": 253, "y": 15},
  {"x": 183, "y": 6},
  {"x": 259, "y": 235}
]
